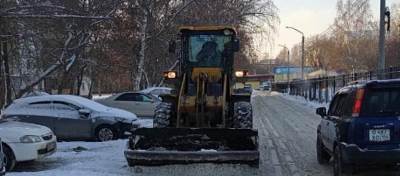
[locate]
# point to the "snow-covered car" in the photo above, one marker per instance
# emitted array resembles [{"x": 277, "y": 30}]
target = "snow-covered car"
[
  {"x": 73, "y": 117},
  {"x": 143, "y": 105},
  {"x": 157, "y": 91},
  {"x": 25, "y": 142}
]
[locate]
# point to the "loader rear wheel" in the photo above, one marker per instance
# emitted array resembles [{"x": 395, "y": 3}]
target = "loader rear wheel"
[
  {"x": 243, "y": 115},
  {"x": 162, "y": 115}
]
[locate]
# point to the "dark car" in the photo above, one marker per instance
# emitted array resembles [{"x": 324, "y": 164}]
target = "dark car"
[
  {"x": 62, "y": 113},
  {"x": 362, "y": 127},
  {"x": 2, "y": 164}
]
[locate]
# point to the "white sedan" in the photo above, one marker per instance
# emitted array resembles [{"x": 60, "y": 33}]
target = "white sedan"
[
  {"x": 25, "y": 142},
  {"x": 143, "y": 105}
]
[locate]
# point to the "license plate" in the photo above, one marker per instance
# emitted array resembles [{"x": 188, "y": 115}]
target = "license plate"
[
  {"x": 51, "y": 146},
  {"x": 379, "y": 135}
]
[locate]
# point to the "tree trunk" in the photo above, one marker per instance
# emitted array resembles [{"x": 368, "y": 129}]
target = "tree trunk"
[
  {"x": 90, "y": 94},
  {"x": 142, "y": 52},
  {"x": 7, "y": 80},
  {"x": 80, "y": 79}
]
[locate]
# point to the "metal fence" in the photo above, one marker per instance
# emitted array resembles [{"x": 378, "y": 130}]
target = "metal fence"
[{"x": 324, "y": 88}]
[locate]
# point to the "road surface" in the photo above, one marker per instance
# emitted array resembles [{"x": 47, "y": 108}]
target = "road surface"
[{"x": 287, "y": 133}]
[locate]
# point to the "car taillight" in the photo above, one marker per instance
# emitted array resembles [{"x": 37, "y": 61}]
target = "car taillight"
[{"x": 358, "y": 102}]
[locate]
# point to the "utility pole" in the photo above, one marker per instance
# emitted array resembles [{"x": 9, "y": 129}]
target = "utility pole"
[
  {"x": 382, "y": 33},
  {"x": 302, "y": 56},
  {"x": 288, "y": 67},
  {"x": 302, "y": 49}
]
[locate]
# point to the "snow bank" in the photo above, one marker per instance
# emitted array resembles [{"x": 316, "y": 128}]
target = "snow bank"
[
  {"x": 99, "y": 97},
  {"x": 301, "y": 100}
]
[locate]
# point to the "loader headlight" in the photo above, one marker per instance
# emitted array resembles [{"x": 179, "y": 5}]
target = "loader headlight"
[
  {"x": 240, "y": 74},
  {"x": 170, "y": 75},
  {"x": 30, "y": 139}
]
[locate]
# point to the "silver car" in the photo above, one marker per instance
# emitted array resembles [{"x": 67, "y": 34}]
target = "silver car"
[
  {"x": 141, "y": 104},
  {"x": 73, "y": 117}
]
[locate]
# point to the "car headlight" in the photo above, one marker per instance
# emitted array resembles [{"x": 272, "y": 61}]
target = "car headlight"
[{"x": 30, "y": 139}]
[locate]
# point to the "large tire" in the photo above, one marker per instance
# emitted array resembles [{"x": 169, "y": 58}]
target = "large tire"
[
  {"x": 243, "y": 115},
  {"x": 105, "y": 133},
  {"x": 323, "y": 156},
  {"x": 162, "y": 115},
  {"x": 9, "y": 158}
]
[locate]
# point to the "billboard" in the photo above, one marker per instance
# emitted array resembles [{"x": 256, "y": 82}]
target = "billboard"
[{"x": 281, "y": 72}]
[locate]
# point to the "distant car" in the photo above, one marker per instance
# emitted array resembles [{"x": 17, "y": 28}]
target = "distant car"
[
  {"x": 361, "y": 127},
  {"x": 73, "y": 117},
  {"x": 141, "y": 104},
  {"x": 248, "y": 88},
  {"x": 2, "y": 159},
  {"x": 157, "y": 91},
  {"x": 265, "y": 87},
  {"x": 25, "y": 142}
]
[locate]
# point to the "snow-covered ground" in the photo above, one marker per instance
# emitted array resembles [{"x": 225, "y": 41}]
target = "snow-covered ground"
[
  {"x": 100, "y": 158},
  {"x": 107, "y": 159}
]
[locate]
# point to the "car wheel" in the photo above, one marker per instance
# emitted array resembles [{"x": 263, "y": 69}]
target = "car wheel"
[
  {"x": 105, "y": 133},
  {"x": 9, "y": 158},
  {"x": 323, "y": 156},
  {"x": 338, "y": 167}
]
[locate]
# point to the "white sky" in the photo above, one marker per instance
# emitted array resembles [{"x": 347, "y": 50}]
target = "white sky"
[{"x": 310, "y": 16}]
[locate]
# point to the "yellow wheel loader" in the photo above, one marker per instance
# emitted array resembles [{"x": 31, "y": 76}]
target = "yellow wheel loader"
[{"x": 206, "y": 120}]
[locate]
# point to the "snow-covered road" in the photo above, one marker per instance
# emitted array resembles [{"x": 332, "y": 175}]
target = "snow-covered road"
[{"x": 287, "y": 130}]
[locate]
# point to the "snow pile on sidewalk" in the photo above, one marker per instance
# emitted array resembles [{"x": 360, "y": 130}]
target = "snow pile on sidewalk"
[
  {"x": 102, "y": 96},
  {"x": 301, "y": 100},
  {"x": 96, "y": 158}
]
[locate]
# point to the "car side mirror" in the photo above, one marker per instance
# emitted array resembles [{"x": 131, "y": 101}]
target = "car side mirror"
[
  {"x": 84, "y": 113},
  {"x": 172, "y": 47},
  {"x": 321, "y": 111}
]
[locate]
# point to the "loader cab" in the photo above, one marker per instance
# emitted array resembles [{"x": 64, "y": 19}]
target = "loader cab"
[{"x": 211, "y": 47}]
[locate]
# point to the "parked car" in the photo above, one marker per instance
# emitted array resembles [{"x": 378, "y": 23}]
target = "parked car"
[
  {"x": 361, "y": 127},
  {"x": 265, "y": 87},
  {"x": 73, "y": 117},
  {"x": 143, "y": 105},
  {"x": 2, "y": 159},
  {"x": 25, "y": 142},
  {"x": 157, "y": 91},
  {"x": 248, "y": 88}
]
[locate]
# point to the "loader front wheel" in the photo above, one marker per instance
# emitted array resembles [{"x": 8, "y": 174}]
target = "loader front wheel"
[
  {"x": 162, "y": 115},
  {"x": 243, "y": 115}
]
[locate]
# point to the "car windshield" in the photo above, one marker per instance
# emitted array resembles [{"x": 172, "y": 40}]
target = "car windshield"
[
  {"x": 206, "y": 50},
  {"x": 381, "y": 102}
]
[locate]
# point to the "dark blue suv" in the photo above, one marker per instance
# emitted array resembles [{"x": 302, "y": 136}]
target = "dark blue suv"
[{"x": 362, "y": 126}]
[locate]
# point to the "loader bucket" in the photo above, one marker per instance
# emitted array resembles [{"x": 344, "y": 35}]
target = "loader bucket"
[{"x": 162, "y": 146}]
